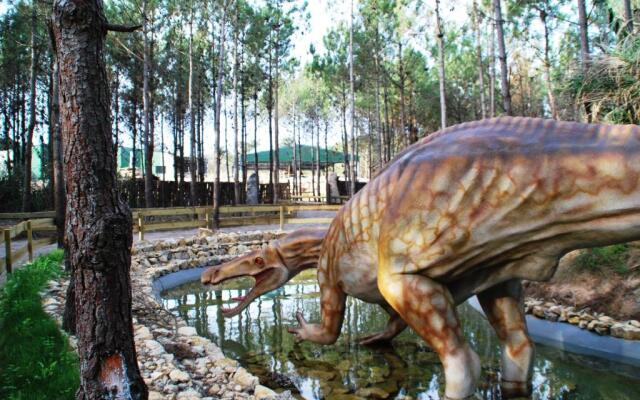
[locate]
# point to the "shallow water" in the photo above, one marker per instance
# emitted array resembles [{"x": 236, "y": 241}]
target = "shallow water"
[{"x": 258, "y": 338}]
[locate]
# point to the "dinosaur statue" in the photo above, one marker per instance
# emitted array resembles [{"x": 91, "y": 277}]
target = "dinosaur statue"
[{"x": 472, "y": 210}]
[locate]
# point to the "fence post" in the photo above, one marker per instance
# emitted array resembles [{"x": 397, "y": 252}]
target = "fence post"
[
  {"x": 30, "y": 241},
  {"x": 281, "y": 218},
  {"x": 141, "y": 226},
  {"x": 7, "y": 247},
  {"x": 207, "y": 218}
]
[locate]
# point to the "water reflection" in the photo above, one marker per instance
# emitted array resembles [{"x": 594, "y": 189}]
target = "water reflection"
[{"x": 259, "y": 339}]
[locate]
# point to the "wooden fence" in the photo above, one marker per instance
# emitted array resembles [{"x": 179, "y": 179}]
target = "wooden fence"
[
  {"x": 12, "y": 255},
  {"x": 143, "y": 222}
]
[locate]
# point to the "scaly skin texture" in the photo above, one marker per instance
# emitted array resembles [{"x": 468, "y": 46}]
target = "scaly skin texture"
[{"x": 474, "y": 209}]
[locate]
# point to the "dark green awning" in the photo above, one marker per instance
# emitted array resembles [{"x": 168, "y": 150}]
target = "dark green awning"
[{"x": 307, "y": 154}]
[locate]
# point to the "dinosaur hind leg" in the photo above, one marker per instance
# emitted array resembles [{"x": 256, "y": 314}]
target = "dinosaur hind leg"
[
  {"x": 503, "y": 306},
  {"x": 428, "y": 308}
]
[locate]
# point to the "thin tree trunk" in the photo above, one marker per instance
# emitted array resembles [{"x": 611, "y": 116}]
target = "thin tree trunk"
[
  {"x": 584, "y": 48},
  {"x": 255, "y": 140},
  {"x": 236, "y": 151},
  {"x": 99, "y": 234},
  {"x": 584, "y": 35},
  {"x": 318, "y": 165},
  {"x": 547, "y": 63},
  {"x": 295, "y": 154},
  {"x": 216, "y": 124},
  {"x": 628, "y": 16},
  {"x": 226, "y": 141},
  {"x": 276, "y": 124},
  {"x": 352, "y": 102},
  {"x": 476, "y": 30},
  {"x": 492, "y": 70},
  {"x": 26, "y": 194},
  {"x": 502, "y": 56},
  {"x": 379, "y": 127},
  {"x": 164, "y": 168},
  {"x": 401, "y": 73},
  {"x": 441, "y": 75},
  {"x": 148, "y": 136},
  {"x": 326, "y": 162},
  {"x": 192, "y": 119}
]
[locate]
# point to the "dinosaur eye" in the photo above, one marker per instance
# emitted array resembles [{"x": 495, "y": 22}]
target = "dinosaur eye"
[{"x": 259, "y": 261}]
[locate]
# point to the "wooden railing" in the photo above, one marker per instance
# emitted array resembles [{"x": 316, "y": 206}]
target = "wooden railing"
[
  {"x": 29, "y": 226},
  {"x": 198, "y": 217}
]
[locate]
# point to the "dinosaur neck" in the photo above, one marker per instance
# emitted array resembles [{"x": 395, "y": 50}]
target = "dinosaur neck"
[{"x": 303, "y": 258}]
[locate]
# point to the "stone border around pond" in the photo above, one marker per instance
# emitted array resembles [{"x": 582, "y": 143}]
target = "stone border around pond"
[
  {"x": 174, "y": 361},
  {"x": 177, "y": 364}
]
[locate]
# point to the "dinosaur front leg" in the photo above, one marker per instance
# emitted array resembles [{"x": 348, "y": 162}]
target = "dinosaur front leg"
[
  {"x": 428, "y": 308},
  {"x": 332, "y": 306},
  {"x": 394, "y": 327},
  {"x": 503, "y": 306}
]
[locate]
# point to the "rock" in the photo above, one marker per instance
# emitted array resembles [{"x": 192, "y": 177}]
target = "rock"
[
  {"x": 538, "y": 311},
  {"x": 372, "y": 393},
  {"x": 187, "y": 331},
  {"x": 154, "y": 347},
  {"x": 245, "y": 379},
  {"x": 263, "y": 392},
  {"x": 625, "y": 331},
  {"x": 179, "y": 376},
  {"x": 334, "y": 192},
  {"x": 225, "y": 362},
  {"x": 189, "y": 394},
  {"x": 252, "y": 189},
  {"x": 182, "y": 351},
  {"x": 156, "y": 396},
  {"x": 144, "y": 333},
  {"x": 575, "y": 320},
  {"x": 633, "y": 322}
]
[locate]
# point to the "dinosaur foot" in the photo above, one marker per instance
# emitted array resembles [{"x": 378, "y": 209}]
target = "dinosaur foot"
[{"x": 511, "y": 390}]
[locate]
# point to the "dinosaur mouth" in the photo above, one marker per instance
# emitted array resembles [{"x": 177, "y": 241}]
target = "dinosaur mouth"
[{"x": 259, "y": 287}]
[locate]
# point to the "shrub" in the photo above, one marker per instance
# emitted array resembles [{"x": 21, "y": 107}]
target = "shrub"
[
  {"x": 602, "y": 259},
  {"x": 36, "y": 361}
]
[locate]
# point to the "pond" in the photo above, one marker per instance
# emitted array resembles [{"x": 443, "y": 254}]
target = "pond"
[{"x": 258, "y": 338}]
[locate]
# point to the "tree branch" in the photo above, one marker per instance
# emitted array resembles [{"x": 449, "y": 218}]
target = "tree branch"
[{"x": 122, "y": 28}]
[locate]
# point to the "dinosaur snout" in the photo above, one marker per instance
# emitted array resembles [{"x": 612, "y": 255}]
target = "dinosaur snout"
[{"x": 209, "y": 275}]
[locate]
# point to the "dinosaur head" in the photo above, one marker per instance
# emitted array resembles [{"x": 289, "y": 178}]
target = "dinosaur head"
[{"x": 271, "y": 267}]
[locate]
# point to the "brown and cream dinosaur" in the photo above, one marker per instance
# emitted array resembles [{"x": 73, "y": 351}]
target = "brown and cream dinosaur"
[{"x": 473, "y": 209}]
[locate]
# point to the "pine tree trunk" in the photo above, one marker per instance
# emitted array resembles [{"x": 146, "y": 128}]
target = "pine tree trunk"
[
  {"x": 318, "y": 158},
  {"x": 584, "y": 35},
  {"x": 502, "y": 56},
  {"x": 146, "y": 89},
  {"x": 476, "y": 31},
  {"x": 628, "y": 16},
  {"x": 26, "y": 194},
  {"x": 216, "y": 124},
  {"x": 352, "y": 103},
  {"x": 441, "y": 75},
  {"x": 547, "y": 65},
  {"x": 99, "y": 234},
  {"x": 236, "y": 151},
  {"x": 192, "y": 121},
  {"x": 492, "y": 70}
]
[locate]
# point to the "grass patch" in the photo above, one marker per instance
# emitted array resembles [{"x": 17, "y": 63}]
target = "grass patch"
[
  {"x": 36, "y": 361},
  {"x": 605, "y": 259}
]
